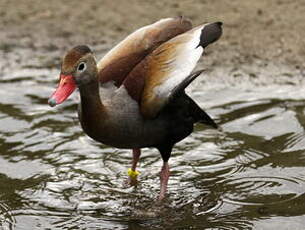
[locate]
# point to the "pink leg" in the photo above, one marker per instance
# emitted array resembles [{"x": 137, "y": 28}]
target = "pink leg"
[
  {"x": 164, "y": 175},
  {"x": 132, "y": 172},
  {"x": 135, "y": 158}
]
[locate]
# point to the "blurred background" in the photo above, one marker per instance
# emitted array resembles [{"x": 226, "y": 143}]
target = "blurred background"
[
  {"x": 255, "y": 32},
  {"x": 248, "y": 175}
]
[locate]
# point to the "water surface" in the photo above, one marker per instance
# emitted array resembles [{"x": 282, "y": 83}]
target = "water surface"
[{"x": 247, "y": 175}]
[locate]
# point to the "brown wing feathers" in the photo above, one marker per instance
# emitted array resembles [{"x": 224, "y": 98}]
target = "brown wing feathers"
[
  {"x": 167, "y": 70},
  {"x": 120, "y": 61},
  {"x": 155, "y": 65}
]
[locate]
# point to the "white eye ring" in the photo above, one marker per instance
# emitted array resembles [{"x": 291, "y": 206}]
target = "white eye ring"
[{"x": 82, "y": 67}]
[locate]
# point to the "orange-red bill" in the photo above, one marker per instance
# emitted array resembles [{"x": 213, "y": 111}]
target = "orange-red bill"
[{"x": 64, "y": 90}]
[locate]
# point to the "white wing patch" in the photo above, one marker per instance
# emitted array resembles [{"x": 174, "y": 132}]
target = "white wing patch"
[
  {"x": 167, "y": 67},
  {"x": 182, "y": 66}
]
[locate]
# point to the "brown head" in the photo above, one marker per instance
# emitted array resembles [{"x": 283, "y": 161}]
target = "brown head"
[{"x": 78, "y": 68}]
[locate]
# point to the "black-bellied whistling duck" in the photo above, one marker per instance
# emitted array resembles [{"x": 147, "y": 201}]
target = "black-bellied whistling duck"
[{"x": 134, "y": 97}]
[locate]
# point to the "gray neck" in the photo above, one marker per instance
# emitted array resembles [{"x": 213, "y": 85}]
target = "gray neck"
[
  {"x": 89, "y": 94},
  {"x": 92, "y": 112}
]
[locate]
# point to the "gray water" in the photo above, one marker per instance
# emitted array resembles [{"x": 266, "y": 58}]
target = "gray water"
[{"x": 247, "y": 175}]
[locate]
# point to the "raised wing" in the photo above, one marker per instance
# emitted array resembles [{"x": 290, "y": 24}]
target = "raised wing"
[
  {"x": 168, "y": 68},
  {"x": 119, "y": 61}
]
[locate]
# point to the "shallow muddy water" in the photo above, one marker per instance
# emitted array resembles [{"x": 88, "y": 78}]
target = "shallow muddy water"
[{"x": 250, "y": 174}]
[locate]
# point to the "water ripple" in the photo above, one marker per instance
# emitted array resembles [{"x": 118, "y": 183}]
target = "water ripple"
[{"x": 241, "y": 176}]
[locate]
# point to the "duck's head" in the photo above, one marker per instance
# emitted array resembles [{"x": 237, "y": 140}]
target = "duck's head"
[{"x": 78, "y": 68}]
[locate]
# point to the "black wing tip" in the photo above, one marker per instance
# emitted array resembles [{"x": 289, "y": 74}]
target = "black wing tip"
[{"x": 210, "y": 33}]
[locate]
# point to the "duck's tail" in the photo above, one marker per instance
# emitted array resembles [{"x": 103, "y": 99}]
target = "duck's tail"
[
  {"x": 199, "y": 115},
  {"x": 195, "y": 111}
]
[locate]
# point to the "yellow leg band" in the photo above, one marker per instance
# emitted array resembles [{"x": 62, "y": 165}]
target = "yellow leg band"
[{"x": 132, "y": 174}]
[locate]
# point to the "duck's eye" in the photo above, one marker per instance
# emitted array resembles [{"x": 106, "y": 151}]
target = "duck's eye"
[{"x": 81, "y": 67}]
